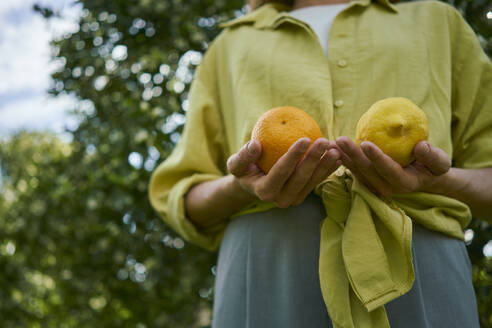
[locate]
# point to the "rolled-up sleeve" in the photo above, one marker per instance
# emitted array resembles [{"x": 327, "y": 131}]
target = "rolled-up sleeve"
[
  {"x": 471, "y": 98},
  {"x": 198, "y": 156}
]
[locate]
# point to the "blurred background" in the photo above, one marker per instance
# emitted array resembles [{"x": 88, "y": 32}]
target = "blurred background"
[{"x": 93, "y": 95}]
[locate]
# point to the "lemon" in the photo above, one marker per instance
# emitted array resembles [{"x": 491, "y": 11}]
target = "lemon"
[{"x": 395, "y": 125}]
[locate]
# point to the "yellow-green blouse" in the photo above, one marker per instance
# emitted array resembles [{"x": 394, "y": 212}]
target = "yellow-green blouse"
[{"x": 420, "y": 50}]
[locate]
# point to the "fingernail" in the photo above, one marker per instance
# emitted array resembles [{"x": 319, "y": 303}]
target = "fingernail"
[
  {"x": 305, "y": 142},
  {"x": 334, "y": 153},
  {"x": 252, "y": 148},
  {"x": 366, "y": 147},
  {"x": 426, "y": 147}
]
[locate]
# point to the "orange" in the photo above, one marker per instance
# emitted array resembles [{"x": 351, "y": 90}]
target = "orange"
[{"x": 280, "y": 127}]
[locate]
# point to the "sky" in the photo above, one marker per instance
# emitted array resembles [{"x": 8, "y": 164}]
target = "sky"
[{"x": 25, "y": 66}]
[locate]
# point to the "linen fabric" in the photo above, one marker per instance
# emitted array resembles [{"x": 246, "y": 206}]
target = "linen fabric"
[{"x": 424, "y": 51}]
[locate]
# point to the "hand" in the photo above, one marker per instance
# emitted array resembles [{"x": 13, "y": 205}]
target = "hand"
[
  {"x": 289, "y": 181},
  {"x": 382, "y": 175}
]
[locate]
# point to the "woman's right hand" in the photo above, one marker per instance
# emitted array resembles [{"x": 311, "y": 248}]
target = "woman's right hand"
[{"x": 289, "y": 181}]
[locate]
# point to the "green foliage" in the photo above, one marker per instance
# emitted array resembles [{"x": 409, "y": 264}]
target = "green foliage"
[{"x": 80, "y": 245}]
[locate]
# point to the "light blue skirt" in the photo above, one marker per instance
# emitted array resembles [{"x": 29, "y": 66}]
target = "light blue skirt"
[{"x": 267, "y": 275}]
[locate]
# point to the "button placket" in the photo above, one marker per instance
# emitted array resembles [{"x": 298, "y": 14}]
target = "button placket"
[{"x": 340, "y": 53}]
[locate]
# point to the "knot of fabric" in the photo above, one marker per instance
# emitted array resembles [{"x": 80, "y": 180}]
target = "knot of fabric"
[{"x": 365, "y": 250}]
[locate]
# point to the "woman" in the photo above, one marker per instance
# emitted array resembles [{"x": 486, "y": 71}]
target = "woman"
[{"x": 314, "y": 244}]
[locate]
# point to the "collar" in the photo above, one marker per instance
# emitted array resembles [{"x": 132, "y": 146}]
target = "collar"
[{"x": 268, "y": 15}]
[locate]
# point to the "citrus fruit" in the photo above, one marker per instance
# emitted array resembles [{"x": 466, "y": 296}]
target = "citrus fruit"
[
  {"x": 280, "y": 127},
  {"x": 395, "y": 125}
]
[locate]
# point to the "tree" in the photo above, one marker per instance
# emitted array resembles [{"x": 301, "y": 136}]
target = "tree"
[
  {"x": 80, "y": 245},
  {"x": 84, "y": 246}
]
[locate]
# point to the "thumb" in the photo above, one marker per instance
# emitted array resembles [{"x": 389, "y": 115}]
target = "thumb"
[
  {"x": 434, "y": 158},
  {"x": 238, "y": 164}
]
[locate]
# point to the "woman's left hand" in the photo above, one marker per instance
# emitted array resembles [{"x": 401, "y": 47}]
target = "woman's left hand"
[{"x": 382, "y": 175}]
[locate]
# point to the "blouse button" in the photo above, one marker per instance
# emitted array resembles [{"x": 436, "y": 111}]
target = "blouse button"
[
  {"x": 339, "y": 103},
  {"x": 342, "y": 63}
]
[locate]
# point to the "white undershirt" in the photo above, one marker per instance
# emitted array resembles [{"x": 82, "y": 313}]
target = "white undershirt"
[{"x": 320, "y": 19}]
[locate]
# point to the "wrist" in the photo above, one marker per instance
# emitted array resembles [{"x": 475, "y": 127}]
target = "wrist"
[
  {"x": 238, "y": 191},
  {"x": 448, "y": 184}
]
